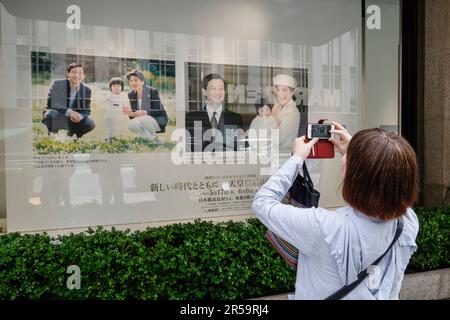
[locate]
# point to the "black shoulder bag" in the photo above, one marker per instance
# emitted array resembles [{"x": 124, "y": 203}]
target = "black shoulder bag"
[
  {"x": 302, "y": 192},
  {"x": 341, "y": 293},
  {"x": 302, "y": 195}
]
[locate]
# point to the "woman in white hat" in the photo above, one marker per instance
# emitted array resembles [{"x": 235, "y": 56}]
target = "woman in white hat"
[{"x": 285, "y": 111}]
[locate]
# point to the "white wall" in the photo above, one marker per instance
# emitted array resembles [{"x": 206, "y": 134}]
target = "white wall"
[{"x": 382, "y": 68}]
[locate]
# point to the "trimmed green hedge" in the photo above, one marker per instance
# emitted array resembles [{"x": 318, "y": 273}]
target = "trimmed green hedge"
[
  {"x": 433, "y": 241},
  {"x": 199, "y": 260},
  {"x": 47, "y": 145}
]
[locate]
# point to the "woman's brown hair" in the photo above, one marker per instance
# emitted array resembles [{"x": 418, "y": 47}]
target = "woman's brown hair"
[{"x": 382, "y": 175}]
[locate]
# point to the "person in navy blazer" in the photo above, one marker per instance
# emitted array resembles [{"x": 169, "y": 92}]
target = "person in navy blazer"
[
  {"x": 214, "y": 115},
  {"x": 147, "y": 114},
  {"x": 69, "y": 104}
]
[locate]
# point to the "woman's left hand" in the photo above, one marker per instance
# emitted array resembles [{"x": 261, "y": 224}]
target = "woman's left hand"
[
  {"x": 140, "y": 113},
  {"x": 301, "y": 148}
]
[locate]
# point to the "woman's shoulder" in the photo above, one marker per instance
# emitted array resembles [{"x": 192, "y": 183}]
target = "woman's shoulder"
[
  {"x": 290, "y": 111},
  {"x": 149, "y": 88},
  {"x": 411, "y": 217},
  {"x": 293, "y": 106},
  {"x": 410, "y": 228},
  {"x": 328, "y": 218},
  {"x": 336, "y": 220},
  {"x": 335, "y": 224}
]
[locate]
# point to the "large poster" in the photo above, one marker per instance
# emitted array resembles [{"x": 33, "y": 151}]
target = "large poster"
[
  {"x": 125, "y": 105},
  {"x": 251, "y": 100}
]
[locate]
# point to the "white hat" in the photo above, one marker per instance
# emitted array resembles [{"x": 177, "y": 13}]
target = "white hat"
[{"x": 284, "y": 80}]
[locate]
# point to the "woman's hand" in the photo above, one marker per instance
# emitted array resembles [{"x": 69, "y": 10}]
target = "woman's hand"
[
  {"x": 137, "y": 113},
  {"x": 140, "y": 113},
  {"x": 341, "y": 145},
  {"x": 301, "y": 148}
]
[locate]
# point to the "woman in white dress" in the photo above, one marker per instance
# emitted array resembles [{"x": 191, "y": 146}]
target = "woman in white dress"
[{"x": 285, "y": 111}]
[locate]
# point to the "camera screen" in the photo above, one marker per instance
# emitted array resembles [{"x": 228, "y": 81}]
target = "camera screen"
[{"x": 321, "y": 131}]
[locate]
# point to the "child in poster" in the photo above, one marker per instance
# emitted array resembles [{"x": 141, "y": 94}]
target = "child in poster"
[{"x": 117, "y": 106}]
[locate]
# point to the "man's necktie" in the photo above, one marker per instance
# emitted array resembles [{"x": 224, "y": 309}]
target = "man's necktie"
[{"x": 214, "y": 121}]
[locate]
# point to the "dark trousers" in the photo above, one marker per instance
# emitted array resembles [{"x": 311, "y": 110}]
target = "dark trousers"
[{"x": 55, "y": 120}]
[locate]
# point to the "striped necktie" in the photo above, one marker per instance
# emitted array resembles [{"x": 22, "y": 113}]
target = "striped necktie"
[{"x": 214, "y": 124}]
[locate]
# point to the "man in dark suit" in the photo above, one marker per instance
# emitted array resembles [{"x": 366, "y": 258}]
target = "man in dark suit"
[
  {"x": 214, "y": 121},
  {"x": 69, "y": 104}
]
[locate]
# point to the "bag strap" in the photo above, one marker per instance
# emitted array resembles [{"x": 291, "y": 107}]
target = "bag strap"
[
  {"x": 306, "y": 174},
  {"x": 341, "y": 293}
]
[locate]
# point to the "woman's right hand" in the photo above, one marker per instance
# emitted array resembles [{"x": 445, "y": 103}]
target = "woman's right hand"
[
  {"x": 301, "y": 148},
  {"x": 343, "y": 143}
]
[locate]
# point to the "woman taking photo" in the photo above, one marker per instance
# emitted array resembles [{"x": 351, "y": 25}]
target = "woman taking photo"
[{"x": 380, "y": 185}]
